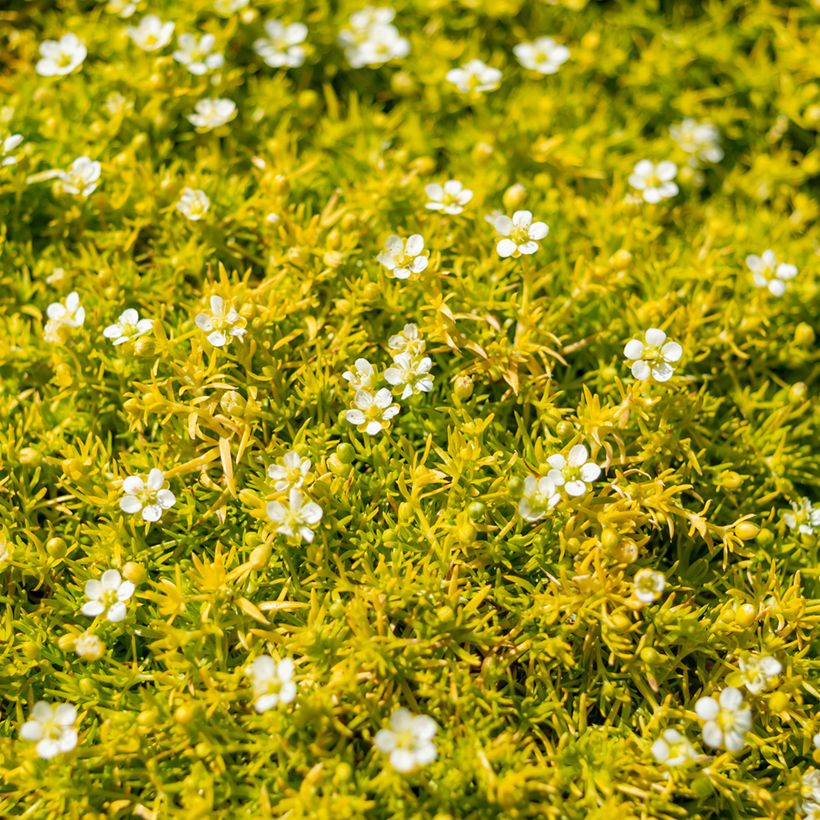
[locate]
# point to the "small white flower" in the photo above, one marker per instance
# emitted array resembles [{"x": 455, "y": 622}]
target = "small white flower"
[
  {"x": 520, "y": 234},
  {"x": 212, "y": 113},
  {"x": 701, "y": 140},
  {"x": 725, "y": 721},
  {"x": 63, "y": 318},
  {"x": 220, "y": 324},
  {"x": 673, "y": 749},
  {"x": 362, "y": 375},
  {"x": 759, "y": 672},
  {"x": 107, "y": 596},
  {"x": 61, "y": 57},
  {"x": 538, "y": 498},
  {"x": 8, "y": 145},
  {"x": 449, "y": 198},
  {"x": 152, "y": 34},
  {"x": 648, "y": 585},
  {"x": 282, "y": 46},
  {"x": 295, "y": 519},
  {"x": 408, "y": 341},
  {"x": 81, "y": 178},
  {"x": 290, "y": 472},
  {"x": 193, "y": 204},
  {"x": 226, "y": 8},
  {"x": 403, "y": 258},
  {"x": 371, "y": 413},
  {"x": 654, "y": 357},
  {"x": 574, "y": 472},
  {"x": 474, "y": 77},
  {"x": 89, "y": 647},
  {"x": 148, "y": 497},
  {"x": 51, "y": 727},
  {"x": 370, "y": 39},
  {"x": 272, "y": 682},
  {"x": 122, "y": 8},
  {"x": 408, "y": 741},
  {"x": 767, "y": 272},
  {"x": 805, "y": 518},
  {"x": 411, "y": 373},
  {"x": 128, "y": 327},
  {"x": 654, "y": 181},
  {"x": 197, "y": 54},
  {"x": 543, "y": 55}
]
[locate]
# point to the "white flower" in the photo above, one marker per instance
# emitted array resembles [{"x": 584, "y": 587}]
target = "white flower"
[
  {"x": 221, "y": 325},
  {"x": 408, "y": 741},
  {"x": 198, "y": 55},
  {"x": 701, "y": 140},
  {"x": 403, "y": 258},
  {"x": 408, "y": 341},
  {"x": 362, "y": 375},
  {"x": 225, "y": 8},
  {"x": 673, "y": 749},
  {"x": 122, "y": 8},
  {"x": 539, "y": 496},
  {"x": 290, "y": 472},
  {"x": 89, "y": 647},
  {"x": 6, "y": 147},
  {"x": 543, "y": 55},
  {"x": 411, "y": 373},
  {"x": 128, "y": 327},
  {"x": 654, "y": 357},
  {"x": 148, "y": 497},
  {"x": 212, "y": 113},
  {"x": 759, "y": 672},
  {"x": 520, "y": 233},
  {"x": 151, "y": 34},
  {"x": 60, "y": 57},
  {"x": 63, "y": 318},
  {"x": 725, "y": 721},
  {"x": 272, "y": 682},
  {"x": 805, "y": 518},
  {"x": 107, "y": 596},
  {"x": 371, "y": 413},
  {"x": 193, "y": 204},
  {"x": 449, "y": 198},
  {"x": 767, "y": 272},
  {"x": 81, "y": 178},
  {"x": 474, "y": 77},
  {"x": 371, "y": 39},
  {"x": 654, "y": 181},
  {"x": 51, "y": 726},
  {"x": 648, "y": 584},
  {"x": 295, "y": 519},
  {"x": 574, "y": 472},
  {"x": 281, "y": 48}
]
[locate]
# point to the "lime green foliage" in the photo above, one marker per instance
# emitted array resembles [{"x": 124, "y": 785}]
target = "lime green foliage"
[{"x": 424, "y": 587}]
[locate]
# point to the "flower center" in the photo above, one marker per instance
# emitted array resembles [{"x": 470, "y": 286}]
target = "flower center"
[
  {"x": 725, "y": 719},
  {"x": 405, "y": 739},
  {"x": 520, "y": 235},
  {"x": 571, "y": 473}
]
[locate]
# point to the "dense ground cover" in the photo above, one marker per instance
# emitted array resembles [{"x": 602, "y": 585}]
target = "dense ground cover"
[{"x": 532, "y": 456}]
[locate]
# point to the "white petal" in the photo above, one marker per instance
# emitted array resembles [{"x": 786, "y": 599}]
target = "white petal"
[
  {"x": 130, "y": 504},
  {"x": 506, "y": 248},
  {"x": 712, "y": 735},
  {"x": 92, "y": 608},
  {"x": 152, "y": 513},
  {"x": 590, "y": 472},
  {"x": 641, "y": 370},
  {"x": 116, "y": 612},
  {"x": 707, "y": 708},
  {"x": 655, "y": 337},
  {"x": 672, "y": 351},
  {"x": 577, "y": 455},
  {"x": 133, "y": 485}
]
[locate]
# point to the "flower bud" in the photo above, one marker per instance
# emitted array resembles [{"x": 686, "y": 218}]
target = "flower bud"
[
  {"x": 56, "y": 547},
  {"x": 133, "y": 572},
  {"x": 463, "y": 387},
  {"x": 746, "y": 530},
  {"x": 514, "y": 197}
]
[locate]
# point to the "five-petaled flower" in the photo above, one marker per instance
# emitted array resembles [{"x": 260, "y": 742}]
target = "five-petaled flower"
[
  {"x": 272, "y": 682},
  {"x": 51, "y": 727},
  {"x": 410, "y": 373},
  {"x": 520, "y": 234},
  {"x": 538, "y": 498},
  {"x": 371, "y": 39},
  {"x": 128, "y": 327},
  {"x": 61, "y": 57},
  {"x": 220, "y": 324},
  {"x": 152, "y": 34},
  {"x": 149, "y": 497},
  {"x": 725, "y": 720},
  {"x": 574, "y": 472},
  {"x": 290, "y": 472},
  {"x": 673, "y": 749},
  {"x": 804, "y": 518},
  {"x": 449, "y": 198},
  {"x": 758, "y": 672},
  {"x": 701, "y": 140},
  {"x": 107, "y": 596},
  {"x": 474, "y": 77},
  {"x": 197, "y": 54},
  {"x": 282, "y": 48},
  {"x": 193, "y": 204},
  {"x": 408, "y": 341},
  {"x": 543, "y": 55},
  {"x": 371, "y": 412},
  {"x": 362, "y": 375},
  {"x": 402, "y": 258},
  {"x": 408, "y": 741},
  {"x": 648, "y": 584},
  {"x": 767, "y": 272},
  {"x": 63, "y": 318},
  {"x": 296, "y": 519},
  {"x": 212, "y": 112},
  {"x": 81, "y": 178},
  {"x": 653, "y": 357},
  {"x": 654, "y": 181}
]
